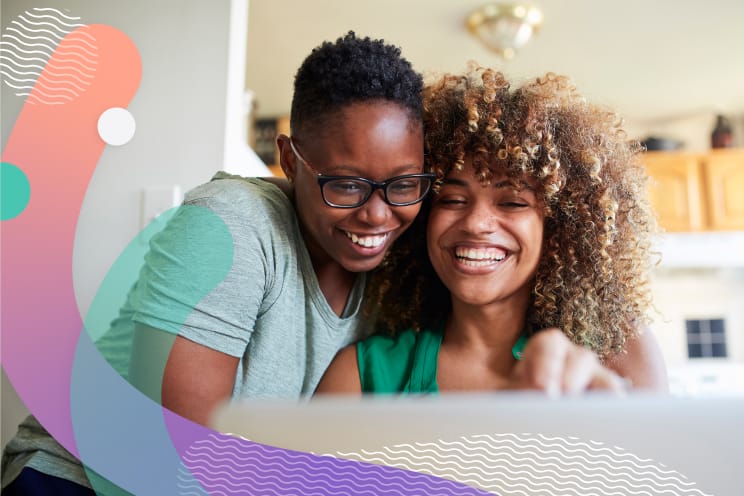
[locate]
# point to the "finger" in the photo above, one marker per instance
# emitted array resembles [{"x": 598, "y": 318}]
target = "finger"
[
  {"x": 579, "y": 370},
  {"x": 606, "y": 380},
  {"x": 543, "y": 362}
]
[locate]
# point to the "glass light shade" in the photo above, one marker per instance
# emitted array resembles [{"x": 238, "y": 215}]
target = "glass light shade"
[{"x": 504, "y": 28}]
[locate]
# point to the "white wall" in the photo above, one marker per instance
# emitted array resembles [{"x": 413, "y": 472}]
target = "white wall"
[
  {"x": 693, "y": 129},
  {"x": 700, "y": 293},
  {"x": 180, "y": 112}
]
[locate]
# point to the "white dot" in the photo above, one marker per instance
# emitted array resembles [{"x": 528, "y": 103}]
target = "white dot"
[{"x": 116, "y": 126}]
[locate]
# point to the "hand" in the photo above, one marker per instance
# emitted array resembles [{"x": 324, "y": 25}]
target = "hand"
[{"x": 553, "y": 364}]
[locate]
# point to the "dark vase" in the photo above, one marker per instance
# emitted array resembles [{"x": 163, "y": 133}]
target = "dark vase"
[{"x": 722, "y": 137}]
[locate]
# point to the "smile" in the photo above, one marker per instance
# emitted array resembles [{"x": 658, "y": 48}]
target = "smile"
[
  {"x": 479, "y": 257},
  {"x": 366, "y": 241}
]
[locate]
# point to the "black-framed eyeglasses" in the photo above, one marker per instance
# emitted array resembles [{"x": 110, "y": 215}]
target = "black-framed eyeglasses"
[{"x": 352, "y": 191}]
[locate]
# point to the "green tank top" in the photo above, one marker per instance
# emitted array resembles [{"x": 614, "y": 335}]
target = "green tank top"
[{"x": 406, "y": 362}]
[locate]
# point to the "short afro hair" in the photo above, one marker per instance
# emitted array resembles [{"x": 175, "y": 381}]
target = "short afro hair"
[{"x": 353, "y": 70}]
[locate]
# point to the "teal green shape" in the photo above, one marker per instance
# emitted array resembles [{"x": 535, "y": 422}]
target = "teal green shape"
[
  {"x": 203, "y": 244},
  {"x": 15, "y": 191},
  {"x": 121, "y": 277}
]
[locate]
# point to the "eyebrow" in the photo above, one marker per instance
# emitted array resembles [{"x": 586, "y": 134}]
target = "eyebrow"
[
  {"x": 500, "y": 184},
  {"x": 344, "y": 170}
]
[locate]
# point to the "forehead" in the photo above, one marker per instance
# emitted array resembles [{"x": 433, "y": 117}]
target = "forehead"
[
  {"x": 365, "y": 138},
  {"x": 363, "y": 117},
  {"x": 492, "y": 175},
  {"x": 375, "y": 141}
]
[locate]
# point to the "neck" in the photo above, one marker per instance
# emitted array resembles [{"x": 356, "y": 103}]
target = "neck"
[
  {"x": 334, "y": 280},
  {"x": 487, "y": 327},
  {"x": 335, "y": 283},
  {"x": 476, "y": 352}
]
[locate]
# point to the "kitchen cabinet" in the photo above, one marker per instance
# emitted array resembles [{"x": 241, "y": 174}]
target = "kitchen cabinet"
[{"x": 697, "y": 191}]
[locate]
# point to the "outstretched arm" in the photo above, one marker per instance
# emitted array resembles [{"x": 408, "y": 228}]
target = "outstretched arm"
[
  {"x": 552, "y": 363},
  {"x": 642, "y": 363}
]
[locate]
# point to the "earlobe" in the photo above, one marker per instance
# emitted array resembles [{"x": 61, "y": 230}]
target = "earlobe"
[{"x": 287, "y": 158}]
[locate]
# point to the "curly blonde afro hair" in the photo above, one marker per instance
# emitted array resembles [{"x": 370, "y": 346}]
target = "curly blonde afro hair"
[{"x": 593, "y": 277}]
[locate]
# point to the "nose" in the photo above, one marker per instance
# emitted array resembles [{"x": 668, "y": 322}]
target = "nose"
[
  {"x": 482, "y": 218},
  {"x": 375, "y": 211}
]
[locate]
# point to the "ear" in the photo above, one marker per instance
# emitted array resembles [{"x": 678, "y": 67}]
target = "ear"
[{"x": 287, "y": 158}]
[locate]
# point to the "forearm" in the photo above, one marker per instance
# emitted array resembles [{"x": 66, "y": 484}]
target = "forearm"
[
  {"x": 183, "y": 376},
  {"x": 642, "y": 363},
  {"x": 342, "y": 375}
]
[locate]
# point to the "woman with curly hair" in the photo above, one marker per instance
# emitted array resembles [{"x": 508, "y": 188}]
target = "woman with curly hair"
[{"x": 528, "y": 266}]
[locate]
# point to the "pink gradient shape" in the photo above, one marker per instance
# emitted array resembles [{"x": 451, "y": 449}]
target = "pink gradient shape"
[{"x": 57, "y": 147}]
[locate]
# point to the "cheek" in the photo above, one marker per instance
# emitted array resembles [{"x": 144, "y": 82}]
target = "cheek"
[
  {"x": 316, "y": 213},
  {"x": 434, "y": 232},
  {"x": 533, "y": 232},
  {"x": 307, "y": 196},
  {"x": 406, "y": 215},
  {"x": 330, "y": 217}
]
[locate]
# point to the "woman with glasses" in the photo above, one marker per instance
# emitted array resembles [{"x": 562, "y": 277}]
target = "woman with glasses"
[
  {"x": 250, "y": 292},
  {"x": 528, "y": 266}
]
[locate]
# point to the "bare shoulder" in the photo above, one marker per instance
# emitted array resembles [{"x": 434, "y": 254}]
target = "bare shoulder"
[
  {"x": 641, "y": 362},
  {"x": 342, "y": 375}
]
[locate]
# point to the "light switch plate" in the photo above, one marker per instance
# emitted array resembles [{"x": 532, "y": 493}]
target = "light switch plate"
[{"x": 155, "y": 201}]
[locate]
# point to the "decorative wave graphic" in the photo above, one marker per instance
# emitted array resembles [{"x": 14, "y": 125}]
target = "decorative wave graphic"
[
  {"x": 227, "y": 465},
  {"x": 46, "y": 37},
  {"x": 534, "y": 465}
]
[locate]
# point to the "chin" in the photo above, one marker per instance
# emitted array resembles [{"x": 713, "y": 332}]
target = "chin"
[{"x": 363, "y": 265}]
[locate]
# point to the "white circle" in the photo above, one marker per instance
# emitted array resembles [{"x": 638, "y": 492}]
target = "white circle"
[{"x": 116, "y": 126}]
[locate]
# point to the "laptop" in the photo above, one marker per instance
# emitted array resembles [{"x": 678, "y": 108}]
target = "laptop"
[{"x": 507, "y": 443}]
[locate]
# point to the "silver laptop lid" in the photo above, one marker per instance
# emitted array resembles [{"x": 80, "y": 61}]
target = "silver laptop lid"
[{"x": 518, "y": 443}]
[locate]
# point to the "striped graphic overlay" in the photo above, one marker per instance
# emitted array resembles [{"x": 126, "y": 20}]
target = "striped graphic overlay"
[
  {"x": 225, "y": 465},
  {"x": 26, "y": 47},
  {"x": 533, "y": 465}
]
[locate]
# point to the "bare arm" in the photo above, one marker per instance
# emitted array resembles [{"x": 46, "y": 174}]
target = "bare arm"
[
  {"x": 642, "y": 363},
  {"x": 553, "y": 364},
  {"x": 191, "y": 379},
  {"x": 342, "y": 375}
]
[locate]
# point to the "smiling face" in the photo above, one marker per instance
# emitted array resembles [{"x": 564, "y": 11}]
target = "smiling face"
[
  {"x": 485, "y": 241},
  {"x": 374, "y": 140}
]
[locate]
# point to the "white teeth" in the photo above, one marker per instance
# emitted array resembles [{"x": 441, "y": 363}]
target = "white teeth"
[
  {"x": 366, "y": 241},
  {"x": 481, "y": 256},
  {"x": 475, "y": 263}
]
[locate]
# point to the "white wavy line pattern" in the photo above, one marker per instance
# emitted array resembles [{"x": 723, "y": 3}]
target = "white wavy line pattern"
[
  {"x": 26, "y": 47},
  {"x": 225, "y": 465},
  {"x": 534, "y": 465}
]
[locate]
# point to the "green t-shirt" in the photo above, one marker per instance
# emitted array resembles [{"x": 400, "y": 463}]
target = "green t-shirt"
[{"x": 406, "y": 362}]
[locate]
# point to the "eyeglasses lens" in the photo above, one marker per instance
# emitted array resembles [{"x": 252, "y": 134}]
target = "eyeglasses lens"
[{"x": 353, "y": 192}]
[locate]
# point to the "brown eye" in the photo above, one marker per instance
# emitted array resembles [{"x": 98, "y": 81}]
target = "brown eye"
[
  {"x": 513, "y": 204},
  {"x": 450, "y": 199}
]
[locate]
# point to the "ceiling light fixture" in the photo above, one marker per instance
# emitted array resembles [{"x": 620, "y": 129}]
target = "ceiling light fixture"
[{"x": 504, "y": 28}]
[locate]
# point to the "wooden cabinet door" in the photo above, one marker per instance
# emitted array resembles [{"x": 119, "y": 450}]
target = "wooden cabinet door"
[
  {"x": 724, "y": 177},
  {"x": 675, "y": 190}
]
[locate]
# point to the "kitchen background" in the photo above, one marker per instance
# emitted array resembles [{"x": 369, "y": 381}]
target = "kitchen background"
[
  {"x": 664, "y": 66},
  {"x": 218, "y": 75}
]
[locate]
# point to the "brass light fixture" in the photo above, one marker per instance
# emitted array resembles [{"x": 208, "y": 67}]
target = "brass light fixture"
[{"x": 504, "y": 27}]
